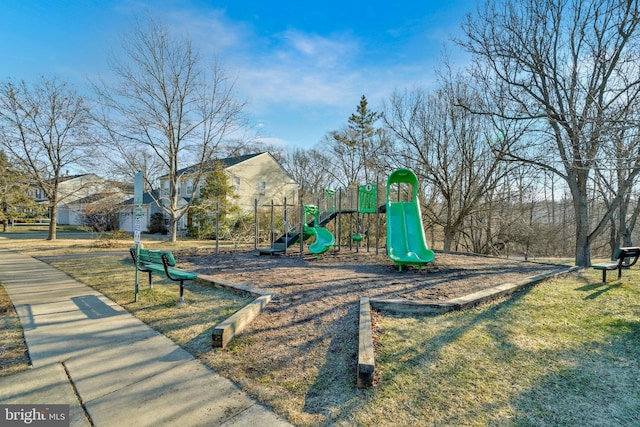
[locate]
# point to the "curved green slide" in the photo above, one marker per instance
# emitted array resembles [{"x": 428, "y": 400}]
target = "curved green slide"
[
  {"x": 324, "y": 240},
  {"x": 406, "y": 242}
]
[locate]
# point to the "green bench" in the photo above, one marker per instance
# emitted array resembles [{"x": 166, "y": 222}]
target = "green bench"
[
  {"x": 624, "y": 258},
  {"x": 163, "y": 262}
]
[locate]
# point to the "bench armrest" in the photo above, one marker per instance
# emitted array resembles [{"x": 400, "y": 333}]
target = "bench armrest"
[{"x": 623, "y": 254}]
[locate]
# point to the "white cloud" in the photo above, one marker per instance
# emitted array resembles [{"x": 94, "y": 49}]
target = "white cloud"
[
  {"x": 300, "y": 69},
  {"x": 211, "y": 31},
  {"x": 312, "y": 78},
  {"x": 291, "y": 67},
  {"x": 325, "y": 52}
]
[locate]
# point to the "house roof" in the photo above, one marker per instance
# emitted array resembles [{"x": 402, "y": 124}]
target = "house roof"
[
  {"x": 68, "y": 177},
  {"x": 226, "y": 163},
  {"x": 109, "y": 195},
  {"x": 147, "y": 198}
]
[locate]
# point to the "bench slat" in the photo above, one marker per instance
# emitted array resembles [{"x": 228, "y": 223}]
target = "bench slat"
[
  {"x": 185, "y": 275},
  {"x": 609, "y": 265}
]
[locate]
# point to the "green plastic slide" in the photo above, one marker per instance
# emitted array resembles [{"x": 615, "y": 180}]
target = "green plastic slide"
[
  {"x": 406, "y": 242},
  {"x": 324, "y": 240}
]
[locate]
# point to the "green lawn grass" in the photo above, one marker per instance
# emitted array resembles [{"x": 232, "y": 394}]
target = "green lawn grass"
[{"x": 565, "y": 353}]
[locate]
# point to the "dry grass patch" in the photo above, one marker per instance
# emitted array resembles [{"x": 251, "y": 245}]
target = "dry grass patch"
[
  {"x": 39, "y": 247},
  {"x": 564, "y": 353},
  {"x": 13, "y": 350},
  {"x": 44, "y": 248}
]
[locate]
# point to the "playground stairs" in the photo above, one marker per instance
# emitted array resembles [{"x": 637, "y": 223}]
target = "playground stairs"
[
  {"x": 286, "y": 240},
  {"x": 292, "y": 237}
]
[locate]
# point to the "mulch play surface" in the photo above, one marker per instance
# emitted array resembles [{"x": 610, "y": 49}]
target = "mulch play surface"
[{"x": 344, "y": 276}]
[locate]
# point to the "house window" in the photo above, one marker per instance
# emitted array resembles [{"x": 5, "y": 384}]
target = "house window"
[
  {"x": 189, "y": 187},
  {"x": 236, "y": 184},
  {"x": 262, "y": 187}
]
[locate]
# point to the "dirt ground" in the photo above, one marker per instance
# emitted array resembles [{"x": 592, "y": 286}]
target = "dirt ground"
[
  {"x": 302, "y": 350},
  {"x": 342, "y": 277}
]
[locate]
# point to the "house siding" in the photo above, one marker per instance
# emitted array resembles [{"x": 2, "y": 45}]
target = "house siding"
[
  {"x": 246, "y": 173},
  {"x": 262, "y": 169}
]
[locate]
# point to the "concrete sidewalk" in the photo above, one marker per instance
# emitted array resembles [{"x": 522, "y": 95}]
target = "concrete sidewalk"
[{"x": 110, "y": 367}]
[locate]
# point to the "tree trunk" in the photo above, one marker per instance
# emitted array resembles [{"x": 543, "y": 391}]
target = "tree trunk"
[
  {"x": 53, "y": 219},
  {"x": 174, "y": 230},
  {"x": 6, "y": 216},
  {"x": 449, "y": 235},
  {"x": 583, "y": 242},
  {"x": 626, "y": 223},
  {"x": 613, "y": 238}
]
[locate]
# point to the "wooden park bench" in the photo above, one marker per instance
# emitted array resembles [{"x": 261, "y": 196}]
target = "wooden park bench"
[
  {"x": 624, "y": 258},
  {"x": 154, "y": 261}
]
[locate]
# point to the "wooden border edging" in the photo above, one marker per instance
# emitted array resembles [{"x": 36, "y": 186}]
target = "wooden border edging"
[
  {"x": 366, "y": 359},
  {"x": 225, "y": 331},
  {"x": 366, "y": 356},
  {"x": 412, "y": 307},
  {"x": 481, "y": 297},
  {"x": 228, "y": 329}
]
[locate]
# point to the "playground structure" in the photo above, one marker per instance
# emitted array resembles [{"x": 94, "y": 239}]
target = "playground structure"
[
  {"x": 405, "y": 237},
  {"x": 352, "y": 203}
]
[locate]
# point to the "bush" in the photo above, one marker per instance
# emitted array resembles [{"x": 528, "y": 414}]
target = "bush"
[{"x": 156, "y": 224}]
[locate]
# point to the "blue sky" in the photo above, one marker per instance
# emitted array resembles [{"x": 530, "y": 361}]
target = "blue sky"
[{"x": 302, "y": 66}]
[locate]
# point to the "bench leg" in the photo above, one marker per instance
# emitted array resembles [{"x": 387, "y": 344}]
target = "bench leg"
[
  {"x": 181, "y": 291},
  {"x": 150, "y": 282},
  {"x": 604, "y": 275},
  {"x": 619, "y": 273}
]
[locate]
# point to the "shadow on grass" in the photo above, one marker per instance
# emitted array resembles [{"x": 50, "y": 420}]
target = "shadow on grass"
[
  {"x": 598, "y": 288},
  {"x": 334, "y": 395},
  {"x": 333, "y": 392},
  {"x": 200, "y": 344}
]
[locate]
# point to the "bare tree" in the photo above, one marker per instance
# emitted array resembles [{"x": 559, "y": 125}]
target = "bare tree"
[
  {"x": 168, "y": 103},
  {"x": 571, "y": 67},
  {"x": 611, "y": 178},
  {"x": 44, "y": 127},
  {"x": 310, "y": 169},
  {"x": 454, "y": 153}
]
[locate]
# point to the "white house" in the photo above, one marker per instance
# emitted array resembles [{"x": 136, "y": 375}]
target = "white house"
[
  {"x": 75, "y": 192},
  {"x": 149, "y": 208}
]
